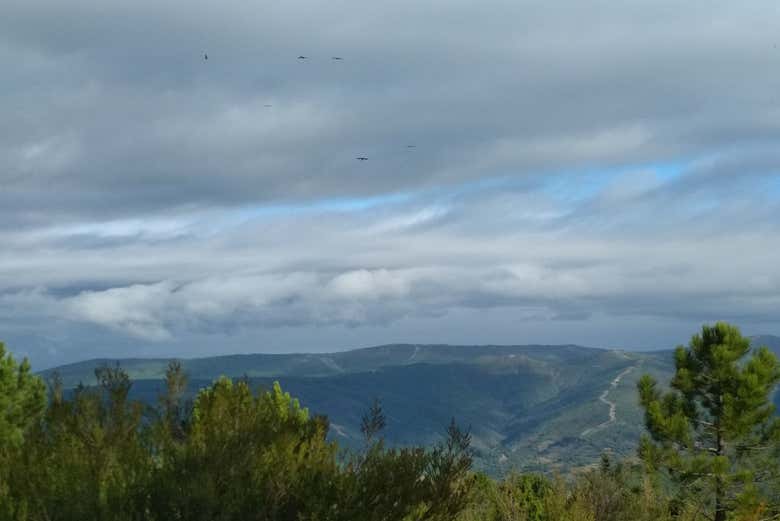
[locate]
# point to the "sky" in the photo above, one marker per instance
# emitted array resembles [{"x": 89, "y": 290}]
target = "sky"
[{"x": 590, "y": 172}]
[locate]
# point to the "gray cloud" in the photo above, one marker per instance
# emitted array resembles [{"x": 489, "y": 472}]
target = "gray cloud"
[
  {"x": 576, "y": 163},
  {"x": 123, "y": 109}
]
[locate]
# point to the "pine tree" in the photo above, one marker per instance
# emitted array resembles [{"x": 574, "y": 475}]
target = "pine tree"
[
  {"x": 22, "y": 400},
  {"x": 714, "y": 432},
  {"x": 22, "y": 404}
]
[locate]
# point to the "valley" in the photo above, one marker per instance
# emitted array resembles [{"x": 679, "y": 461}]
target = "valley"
[{"x": 532, "y": 407}]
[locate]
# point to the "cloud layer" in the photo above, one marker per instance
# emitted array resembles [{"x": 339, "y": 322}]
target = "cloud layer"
[{"x": 575, "y": 168}]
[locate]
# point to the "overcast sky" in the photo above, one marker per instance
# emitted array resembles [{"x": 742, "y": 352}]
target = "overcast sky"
[{"x": 593, "y": 172}]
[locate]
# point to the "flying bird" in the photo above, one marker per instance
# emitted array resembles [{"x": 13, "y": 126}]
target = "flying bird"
[
  {"x": 268, "y": 105},
  {"x": 205, "y": 56},
  {"x": 411, "y": 146},
  {"x": 362, "y": 158},
  {"x": 301, "y": 57},
  {"x": 336, "y": 58}
]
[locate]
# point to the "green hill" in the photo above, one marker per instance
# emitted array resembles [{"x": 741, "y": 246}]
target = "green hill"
[{"x": 529, "y": 407}]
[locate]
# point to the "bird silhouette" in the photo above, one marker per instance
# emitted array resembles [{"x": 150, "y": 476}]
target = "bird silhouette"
[
  {"x": 411, "y": 146},
  {"x": 362, "y": 158},
  {"x": 205, "y": 56},
  {"x": 268, "y": 105},
  {"x": 336, "y": 58},
  {"x": 303, "y": 57}
]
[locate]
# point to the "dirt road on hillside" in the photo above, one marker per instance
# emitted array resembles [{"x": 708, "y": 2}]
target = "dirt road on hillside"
[{"x": 612, "y": 405}]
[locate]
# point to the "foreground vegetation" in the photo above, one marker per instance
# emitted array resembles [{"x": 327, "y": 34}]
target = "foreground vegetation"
[{"x": 234, "y": 453}]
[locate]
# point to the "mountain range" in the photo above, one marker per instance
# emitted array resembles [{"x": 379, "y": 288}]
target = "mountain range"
[{"x": 530, "y": 407}]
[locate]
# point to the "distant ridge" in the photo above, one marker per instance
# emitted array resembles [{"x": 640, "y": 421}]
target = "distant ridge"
[
  {"x": 530, "y": 407},
  {"x": 770, "y": 341},
  {"x": 302, "y": 364},
  {"x": 527, "y": 405}
]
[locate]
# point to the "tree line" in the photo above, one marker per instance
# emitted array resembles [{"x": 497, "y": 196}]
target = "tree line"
[{"x": 711, "y": 452}]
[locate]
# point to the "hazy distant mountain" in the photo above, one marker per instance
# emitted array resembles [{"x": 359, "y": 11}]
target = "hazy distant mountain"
[
  {"x": 770, "y": 341},
  {"x": 327, "y": 364},
  {"x": 529, "y": 407}
]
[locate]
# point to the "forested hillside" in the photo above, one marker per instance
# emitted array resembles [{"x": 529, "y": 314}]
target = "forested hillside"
[
  {"x": 239, "y": 449},
  {"x": 529, "y": 407}
]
